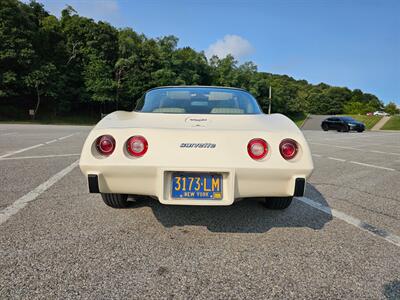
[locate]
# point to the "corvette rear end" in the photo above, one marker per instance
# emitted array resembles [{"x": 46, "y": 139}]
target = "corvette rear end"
[{"x": 209, "y": 158}]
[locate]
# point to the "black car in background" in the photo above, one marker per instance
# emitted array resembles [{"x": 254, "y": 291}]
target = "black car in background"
[{"x": 342, "y": 124}]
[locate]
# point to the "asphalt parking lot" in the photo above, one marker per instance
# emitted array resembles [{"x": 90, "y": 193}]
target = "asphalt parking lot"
[{"x": 341, "y": 241}]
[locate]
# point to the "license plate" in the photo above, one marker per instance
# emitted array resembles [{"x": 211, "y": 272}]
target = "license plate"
[{"x": 206, "y": 186}]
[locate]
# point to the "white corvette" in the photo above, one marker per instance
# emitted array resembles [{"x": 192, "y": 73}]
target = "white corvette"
[{"x": 194, "y": 145}]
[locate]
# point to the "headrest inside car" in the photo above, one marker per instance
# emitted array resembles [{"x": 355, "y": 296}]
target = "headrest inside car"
[
  {"x": 227, "y": 110},
  {"x": 215, "y": 96},
  {"x": 178, "y": 95},
  {"x": 176, "y": 110}
]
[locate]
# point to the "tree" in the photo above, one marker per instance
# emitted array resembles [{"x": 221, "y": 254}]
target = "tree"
[
  {"x": 42, "y": 81},
  {"x": 75, "y": 64},
  {"x": 17, "y": 32},
  {"x": 190, "y": 67},
  {"x": 391, "y": 108},
  {"x": 223, "y": 70},
  {"x": 99, "y": 80}
]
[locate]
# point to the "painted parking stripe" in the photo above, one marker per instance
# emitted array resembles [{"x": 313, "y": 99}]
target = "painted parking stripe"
[
  {"x": 338, "y": 136},
  {"x": 40, "y": 156},
  {"x": 381, "y": 152},
  {"x": 336, "y": 146},
  {"x": 356, "y": 162},
  {"x": 357, "y": 149},
  {"x": 35, "y": 146},
  {"x": 337, "y": 159},
  {"x": 65, "y": 137},
  {"x": 19, "y": 204},
  {"x": 21, "y": 150},
  {"x": 379, "y": 232},
  {"x": 372, "y": 166},
  {"x": 9, "y": 133}
]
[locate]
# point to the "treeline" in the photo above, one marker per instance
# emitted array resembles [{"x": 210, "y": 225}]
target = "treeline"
[{"x": 74, "y": 65}]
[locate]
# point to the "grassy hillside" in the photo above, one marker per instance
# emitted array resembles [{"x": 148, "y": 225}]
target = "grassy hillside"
[
  {"x": 369, "y": 121},
  {"x": 392, "y": 124},
  {"x": 298, "y": 119}
]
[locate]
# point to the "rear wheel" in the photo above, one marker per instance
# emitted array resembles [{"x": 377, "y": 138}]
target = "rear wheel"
[
  {"x": 278, "y": 202},
  {"x": 325, "y": 127},
  {"x": 115, "y": 200}
]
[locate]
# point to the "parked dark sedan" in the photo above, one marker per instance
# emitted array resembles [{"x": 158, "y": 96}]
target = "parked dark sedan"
[{"x": 344, "y": 124}]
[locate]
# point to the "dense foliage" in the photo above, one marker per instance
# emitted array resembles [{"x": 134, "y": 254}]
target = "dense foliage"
[{"x": 73, "y": 65}]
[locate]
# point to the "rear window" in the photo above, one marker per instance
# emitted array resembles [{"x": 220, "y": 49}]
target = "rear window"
[{"x": 198, "y": 100}]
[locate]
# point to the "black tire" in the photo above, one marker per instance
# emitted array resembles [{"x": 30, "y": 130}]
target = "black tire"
[
  {"x": 325, "y": 127},
  {"x": 115, "y": 200},
  {"x": 360, "y": 130},
  {"x": 278, "y": 202}
]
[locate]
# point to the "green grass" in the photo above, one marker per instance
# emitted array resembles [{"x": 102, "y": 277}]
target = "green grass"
[
  {"x": 298, "y": 119},
  {"x": 392, "y": 124},
  {"x": 369, "y": 121}
]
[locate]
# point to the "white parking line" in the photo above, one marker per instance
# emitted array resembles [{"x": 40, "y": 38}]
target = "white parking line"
[
  {"x": 21, "y": 150},
  {"x": 381, "y": 152},
  {"x": 65, "y": 137},
  {"x": 352, "y": 136},
  {"x": 382, "y": 233},
  {"x": 376, "y": 151},
  {"x": 336, "y": 146},
  {"x": 338, "y": 159},
  {"x": 357, "y": 149},
  {"x": 355, "y": 162},
  {"x": 363, "y": 144},
  {"x": 40, "y": 156},
  {"x": 19, "y": 204},
  {"x": 35, "y": 146},
  {"x": 9, "y": 133},
  {"x": 372, "y": 166}
]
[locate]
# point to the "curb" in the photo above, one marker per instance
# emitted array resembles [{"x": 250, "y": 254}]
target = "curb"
[{"x": 304, "y": 121}]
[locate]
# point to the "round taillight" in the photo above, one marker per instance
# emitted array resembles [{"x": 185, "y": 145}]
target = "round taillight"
[
  {"x": 257, "y": 148},
  {"x": 288, "y": 148},
  {"x": 105, "y": 144},
  {"x": 137, "y": 146}
]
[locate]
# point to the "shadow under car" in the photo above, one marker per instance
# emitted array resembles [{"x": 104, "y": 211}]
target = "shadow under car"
[{"x": 246, "y": 216}]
